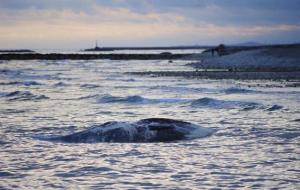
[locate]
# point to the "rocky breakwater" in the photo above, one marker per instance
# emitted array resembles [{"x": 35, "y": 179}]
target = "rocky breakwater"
[{"x": 60, "y": 56}]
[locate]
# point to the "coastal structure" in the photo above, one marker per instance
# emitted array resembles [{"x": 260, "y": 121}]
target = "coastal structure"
[{"x": 97, "y": 48}]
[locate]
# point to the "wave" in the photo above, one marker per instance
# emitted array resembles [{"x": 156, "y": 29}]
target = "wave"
[
  {"x": 128, "y": 80},
  {"x": 89, "y": 86},
  {"x": 10, "y": 72},
  {"x": 31, "y": 83},
  {"x": 137, "y": 100},
  {"x": 182, "y": 89},
  {"x": 231, "y": 104},
  {"x": 87, "y": 97},
  {"x": 234, "y": 90},
  {"x": 289, "y": 135},
  {"x": 117, "y": 78},
  {"x": 115, "y": 99},
  {"x": 60, "y": 84},
  {"x": 24, "y": 95},
  {"x": 146, "y": 130},
  {"x": 274, "y": 108},
  {"x": 94, "y": 96},
  {"x": 199, "y": 103},
  {"x": 25, "y": 83},
  {"x": 215, "y": 103},
  {"x": 87, "y": 170}
]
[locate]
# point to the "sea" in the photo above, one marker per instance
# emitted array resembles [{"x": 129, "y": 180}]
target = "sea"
[{"x": 255, "y": 144}]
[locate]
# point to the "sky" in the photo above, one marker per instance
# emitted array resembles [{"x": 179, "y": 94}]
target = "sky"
[{"x": 62, "y": 24}]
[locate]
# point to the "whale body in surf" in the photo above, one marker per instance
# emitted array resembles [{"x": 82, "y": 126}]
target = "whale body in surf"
[{"x": 146, "y": 130}]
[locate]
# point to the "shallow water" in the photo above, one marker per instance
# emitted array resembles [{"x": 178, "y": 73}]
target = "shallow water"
[{"x": 255, "y": 146}]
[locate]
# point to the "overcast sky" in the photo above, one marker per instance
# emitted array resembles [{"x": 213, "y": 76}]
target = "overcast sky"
[{"x": 78, "y": 23}]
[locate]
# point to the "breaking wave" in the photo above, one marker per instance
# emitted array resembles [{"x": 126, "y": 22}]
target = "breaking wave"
[
  {"x": 89, "y": 86},
  {"x": 137, "y": 100},
  {"x": 274, "y": 108},
  {"x": 181, "y": 89},
  {"x": 145, "y": 130},
  {"x": 215, "y": 103},
  {"x": 60, "y": 84},
  {"x": 234, "y": 90},
  {"x": 23, "y": 96},
  {"x": 25, "y": 83},
  {"x": 231, "y": 104}
]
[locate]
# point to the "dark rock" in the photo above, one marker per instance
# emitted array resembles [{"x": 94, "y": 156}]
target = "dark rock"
[{"x": 57, "y": 56}]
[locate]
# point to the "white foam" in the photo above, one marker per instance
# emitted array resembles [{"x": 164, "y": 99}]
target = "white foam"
[
  {"x": 199, "y": 132},
  {"x": 110, "y": 126}
]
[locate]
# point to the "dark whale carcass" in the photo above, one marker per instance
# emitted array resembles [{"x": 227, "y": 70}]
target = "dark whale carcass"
[{"x": 146, "y": 130}]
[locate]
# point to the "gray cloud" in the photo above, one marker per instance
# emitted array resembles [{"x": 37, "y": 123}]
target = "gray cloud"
[
  {"x": 180, "y": 21},
  {"x": 241, "y": 12}
]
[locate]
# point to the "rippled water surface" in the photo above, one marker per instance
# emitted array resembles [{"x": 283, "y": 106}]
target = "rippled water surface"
[{"x": 255, "y": 146}]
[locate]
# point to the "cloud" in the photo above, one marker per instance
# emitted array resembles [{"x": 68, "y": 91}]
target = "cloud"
[
  {"x": 216, "y": 11},
  {"x": 68, "y": 23}
]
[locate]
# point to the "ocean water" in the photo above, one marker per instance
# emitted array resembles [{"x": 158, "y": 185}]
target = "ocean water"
[{"x": 255, "y": 144}]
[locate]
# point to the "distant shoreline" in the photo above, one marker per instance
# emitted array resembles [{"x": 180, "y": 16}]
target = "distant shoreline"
[{"x": 16, "y": 51}]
